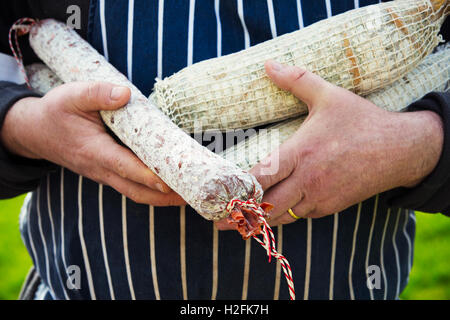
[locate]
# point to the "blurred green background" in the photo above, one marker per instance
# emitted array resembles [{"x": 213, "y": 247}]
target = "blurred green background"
[{"x": 430, "y": 277}]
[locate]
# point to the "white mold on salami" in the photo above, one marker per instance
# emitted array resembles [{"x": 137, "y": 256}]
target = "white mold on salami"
[{"x": 204, "y": 179}]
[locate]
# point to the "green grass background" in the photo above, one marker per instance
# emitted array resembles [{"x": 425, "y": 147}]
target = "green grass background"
[{"x": 430, "y": 277}]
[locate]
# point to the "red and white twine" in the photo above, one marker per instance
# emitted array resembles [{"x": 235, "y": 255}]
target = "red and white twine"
[
  {"x": 268, "y": 239},
  {"x": 19, "y": 28}
]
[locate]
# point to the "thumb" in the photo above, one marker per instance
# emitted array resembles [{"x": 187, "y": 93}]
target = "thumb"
[
  {"x": 277, "y": 166},
  {"x": 96, "y": 96},
  {"x": 305, "y": 85}
]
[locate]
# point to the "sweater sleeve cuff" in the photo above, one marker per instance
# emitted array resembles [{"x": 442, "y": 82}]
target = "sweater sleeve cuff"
[
  {"x": 432, "y": 194},
  {"x": 17, "y": 174}
]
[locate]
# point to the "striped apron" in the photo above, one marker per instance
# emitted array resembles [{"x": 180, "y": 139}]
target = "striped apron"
[{"x": 87, "y": 241}]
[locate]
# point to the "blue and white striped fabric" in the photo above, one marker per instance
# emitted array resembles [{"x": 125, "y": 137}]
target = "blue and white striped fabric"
[{"x": 129, "y": 251}]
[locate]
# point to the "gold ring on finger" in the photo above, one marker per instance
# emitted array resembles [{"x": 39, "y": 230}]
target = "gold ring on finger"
[{"x": 293, "y": 215}]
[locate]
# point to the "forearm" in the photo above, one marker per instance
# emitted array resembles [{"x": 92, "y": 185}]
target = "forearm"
[
  {"x": 421, "y": 143},
  {"x": 13, "y": 137},
  {"x": 17, "y": 174},
  {"x": 430, "y": 194}
]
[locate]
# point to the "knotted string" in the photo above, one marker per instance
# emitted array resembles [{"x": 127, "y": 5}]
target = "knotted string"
[
  {"x": 268, "y": 239},
  {"x": 19, "y": 28}
]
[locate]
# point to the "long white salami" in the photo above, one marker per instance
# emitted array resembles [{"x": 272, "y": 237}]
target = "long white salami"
[{"x": 204, "y": 180}]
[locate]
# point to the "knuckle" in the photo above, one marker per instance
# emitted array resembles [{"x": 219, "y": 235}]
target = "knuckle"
[
  {"x": 314, "y": 180},
  {"x": 138, "y": 199},
  {"x": 118, "y": 166},
  {"x": 83, "y": 156},
  {"x": 298, "y": 75},
  {"x": 295, "y": 78},
  {"x": 93, "y": 93},
  {"x": 106, "y": 177},
  {"x": 144, "y": 196},
  {"x": 134, "y": 196},
  {"x": 306, "y": 210},
  {"x": 138, "y": 195}
]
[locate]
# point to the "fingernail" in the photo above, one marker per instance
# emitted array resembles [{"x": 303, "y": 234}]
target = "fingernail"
[
  {"x": 160, "y": 187},
  {"x": 117, "y": 92},
  {"x": 276, "y": 66}
]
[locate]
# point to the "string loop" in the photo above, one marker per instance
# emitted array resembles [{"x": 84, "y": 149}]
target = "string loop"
[
  {"x": 268, "y": 239},
  {"x": 20, "y": 28}
]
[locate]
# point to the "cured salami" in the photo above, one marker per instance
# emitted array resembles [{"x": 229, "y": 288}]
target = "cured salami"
[
  {"x": 204, "y": 180},
  {"x": 361, "y": 50}
]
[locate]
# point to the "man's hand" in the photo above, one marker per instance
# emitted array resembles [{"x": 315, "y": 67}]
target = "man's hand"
[
  {"x": 65, "y": 128},
  {"x": 346, "y": 151}
]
